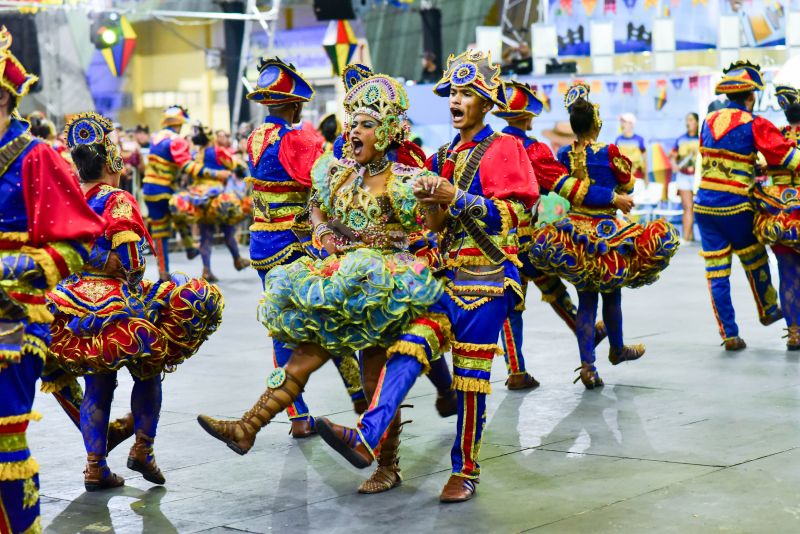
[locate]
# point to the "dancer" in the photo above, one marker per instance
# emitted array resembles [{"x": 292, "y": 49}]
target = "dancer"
[
  {"x": 280, "y": 159},
  {"x": 523, "y": 105},
  {"x": 362, "y": 296},
  {"x": 684, "y": 159},
  {"x": 211, "y": 200},
  {"x": 729, "y": 141},
  {"x": 108, "y": 317},
  {"x": 593, "y": 250},
  {"x": 488, "y": 184},
  {"x": 777, "y": 219},
  {"x": 45, "y": 232},
  {"x": 168, "y": 157}
]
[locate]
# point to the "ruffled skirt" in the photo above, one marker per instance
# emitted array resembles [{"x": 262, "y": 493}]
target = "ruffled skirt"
[
  {"x": 603, "y": 254},
  {"x": 777, "y": 218},
  {"x": 362, "y": 299},
  {"x": 208, "y": 204},
  {"x": 100, "y": 326}
]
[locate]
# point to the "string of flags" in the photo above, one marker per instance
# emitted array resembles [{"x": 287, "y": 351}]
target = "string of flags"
[{"x": 659, "y": 87}]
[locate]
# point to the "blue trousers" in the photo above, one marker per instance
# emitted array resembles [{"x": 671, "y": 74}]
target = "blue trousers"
[
  {"x": 474, "y": 344},
  {"x": 721, "y": 237}
]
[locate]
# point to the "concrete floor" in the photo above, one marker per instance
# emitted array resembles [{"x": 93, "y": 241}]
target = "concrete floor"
[{"x": 689, "y": 439}]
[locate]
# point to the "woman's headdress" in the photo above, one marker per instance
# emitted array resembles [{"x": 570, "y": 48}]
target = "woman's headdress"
[
  {"x": 381, "y": 97},
  {"x": 92, "y": 129},
  {"x": 580, "y": 91}
]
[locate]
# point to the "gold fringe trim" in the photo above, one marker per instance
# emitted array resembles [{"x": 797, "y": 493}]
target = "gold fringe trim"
[
  {"x": 411, "y": 349},
  {"x": 757, "y": 247},
  {"x": 471, "y": 385},
  {"x": 20, "y": 237},
  {"x": 46, "y": 263},
  {"x": 126, "y": 236},
  {"x": 474, "y": 347},
  {"x": 56, "y": 385},
  {"x": 718, "y": 274},
  {"x": 21, "y": 418},
  {"x": 35, "y": 528},
  {"x": 38, "y": 313},
  {"x": 716, "y": 253},
  {"x": 447, "y": 329},
  {"x": 271, "y": 227},
  {"x": 723, "y": 211},
  {"x": 19, "y": 470}
]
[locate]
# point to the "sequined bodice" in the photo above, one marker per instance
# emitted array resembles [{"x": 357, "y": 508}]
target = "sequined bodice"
[{"x": 360, "y": 218}]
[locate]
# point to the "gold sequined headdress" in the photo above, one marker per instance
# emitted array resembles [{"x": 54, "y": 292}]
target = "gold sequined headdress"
[
  {"x": 91, "y": 128},
  {"x": 381, "y": 97},
  {"x": 474, "y": 69},
  {"x": 580, "y": 91}
]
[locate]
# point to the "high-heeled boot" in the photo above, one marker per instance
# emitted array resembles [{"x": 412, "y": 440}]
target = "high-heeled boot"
[
  {"x": 240, "y": 435},
  {"x": 142, "y": 460},
  {"x": 626, "y": 353},
  {"x": 793, "y": 338},
  {"x": 98, "y": 476},
  {"x": 588, "y": 376},
  {"x": 118, "y": 431},
  {"x": 387, "y": 475}
]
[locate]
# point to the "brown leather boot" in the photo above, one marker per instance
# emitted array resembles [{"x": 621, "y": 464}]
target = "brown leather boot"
[
  {"x": 118, "y": 431},
  {"x": 447, "y": 403},
  {"x": 600, "y": 332},
  {"x": 96, "y": 477},
  {"x": 458, "y": 489},
  {"x": 773, "y": 317},
  {"x": 793, "y": 338},
  {"x": 302, "y": 428},
  {"x": 142, "y": 459},
  {"x": 360, "y": 406},
  {"x": 241, "y": 264},
  {"x": 588, "y": 376},
  {"x": 627, "y": 353},
  {"x": 524, "y": 380},
  {"x": 208, "y": 276},
  {"x": 344, "y": 440},
  {"x": 240, "y": 435},
  {"x": 734, "y": 343},
  {"x": 387, "y": 475}
]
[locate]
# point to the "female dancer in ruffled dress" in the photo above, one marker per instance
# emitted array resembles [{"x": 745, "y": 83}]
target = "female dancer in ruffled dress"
[
  {"x": 108, "y": 317},
  {"x": 777, "y": 220},
  {"x": 211, "y": 199},
  {"x": 362, "y": 296},
  {"x": 591, "y": 248}
]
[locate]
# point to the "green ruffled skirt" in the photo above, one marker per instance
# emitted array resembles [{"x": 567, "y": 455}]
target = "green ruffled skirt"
[{"x": 347, "y": 303}]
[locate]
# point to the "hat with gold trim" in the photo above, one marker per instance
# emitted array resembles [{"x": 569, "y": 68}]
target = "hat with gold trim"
[
  {"x": 279, "y": 83},
  {"x": 174, "y": 116},
  {"x": 786, "y": 95},
  {"x": 13, "y": 76},
  {"x": 522, "y": 101},
  {"x": 740, "y": 77},
  {"x": 474, "y": 69}
]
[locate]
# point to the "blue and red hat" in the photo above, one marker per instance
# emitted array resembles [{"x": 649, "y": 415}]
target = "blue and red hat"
[
  {"x": 473, "y": 69},
  {"x": 174, "y": 116},
  {"x": 740, "y": 77},
  {"x": 279, "y": 83},
  {"x": 786, "y": 95},
  {"x": 522, "y": 102},
  {"x": 13, "y": 76}
]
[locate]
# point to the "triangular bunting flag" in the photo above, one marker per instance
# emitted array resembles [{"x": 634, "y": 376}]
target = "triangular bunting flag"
[
  {"x": 612, "y": 85},
  {"x": 627, "y": 88},
  {"x": 643, "y": 85},
  {"x": 693, "y": 82},
  {"x": 677, "y": 83}
]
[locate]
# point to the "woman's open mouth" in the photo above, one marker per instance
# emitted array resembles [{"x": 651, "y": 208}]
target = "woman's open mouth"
[
  {"x": 457, "y": 114},
  {"x": 358, "y": 146}
]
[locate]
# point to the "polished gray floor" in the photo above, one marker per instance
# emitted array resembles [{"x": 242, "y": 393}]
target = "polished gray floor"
[{"x": 689, "y": 439}]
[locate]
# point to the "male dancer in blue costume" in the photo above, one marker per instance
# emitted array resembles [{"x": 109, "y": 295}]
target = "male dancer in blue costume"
[
  {"x": 280, "y": 159},
  {"x": 45, "y": 232},
  {"x": 169, "y": 156},
  {"x": 730, "y": 139},
  {"x": 488, "y": 184}
]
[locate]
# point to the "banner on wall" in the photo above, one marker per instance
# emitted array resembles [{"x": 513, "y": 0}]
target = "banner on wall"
[
  {"x": 763, "y": 22},
  {"x": 633, "y": 23}
]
